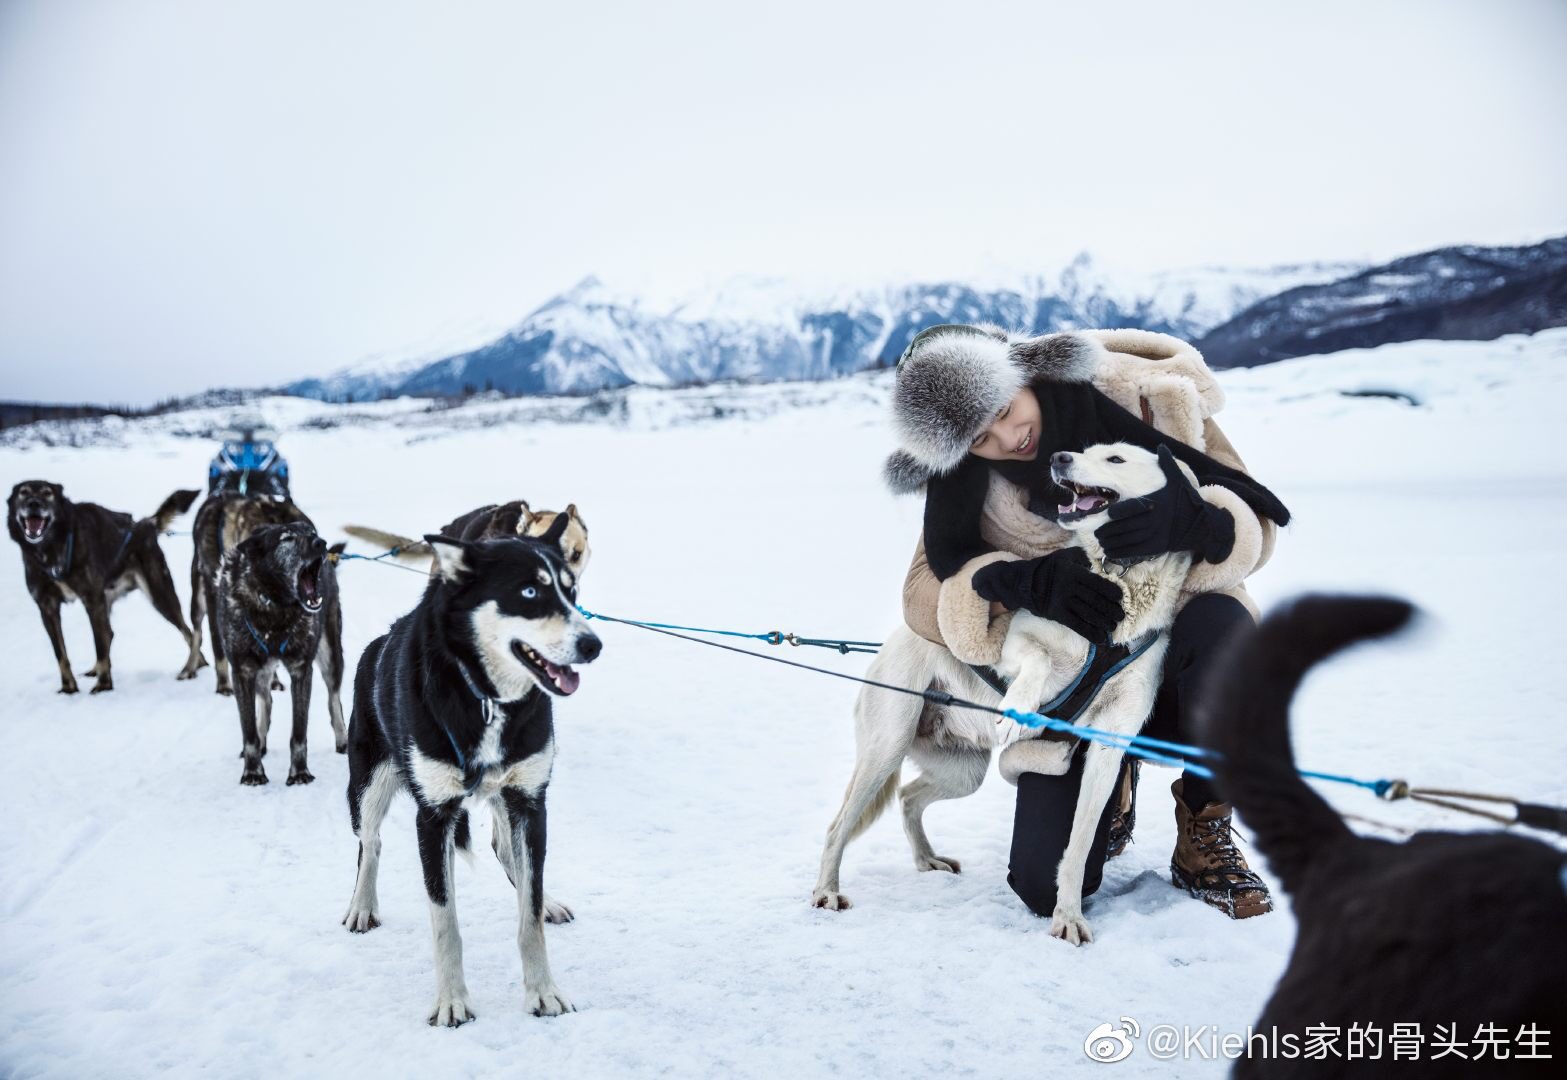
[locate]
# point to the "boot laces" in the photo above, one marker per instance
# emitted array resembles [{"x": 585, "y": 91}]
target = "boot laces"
[{"x": 1215, "y": 842}]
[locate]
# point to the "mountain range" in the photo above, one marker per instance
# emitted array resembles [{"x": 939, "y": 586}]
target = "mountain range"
[{"x": 593, "y": 338}]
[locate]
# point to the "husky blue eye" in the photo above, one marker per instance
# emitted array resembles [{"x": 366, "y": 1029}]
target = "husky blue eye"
[
  {"x": 1116, "y": 460},
  {"x": 529, "y": 593}
]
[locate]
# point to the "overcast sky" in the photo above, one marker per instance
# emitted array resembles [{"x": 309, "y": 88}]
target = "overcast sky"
[{"x": 242, "y": 192}]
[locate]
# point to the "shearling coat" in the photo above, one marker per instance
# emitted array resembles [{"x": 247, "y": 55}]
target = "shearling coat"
[{"x": 1155, "y": 376}]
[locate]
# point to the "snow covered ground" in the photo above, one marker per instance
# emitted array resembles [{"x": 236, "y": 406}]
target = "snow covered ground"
[{"x": 156, "y": 916}]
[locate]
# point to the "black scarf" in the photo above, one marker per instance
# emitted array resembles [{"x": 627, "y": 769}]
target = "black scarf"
[{"x": 1072, "y": 417}]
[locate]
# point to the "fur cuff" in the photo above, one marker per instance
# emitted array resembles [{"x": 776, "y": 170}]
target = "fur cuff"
[
  {"x": 1244, "y": 556},
  {"x": 1049, "y": 757},
  {"x": 964, "y": 616}
]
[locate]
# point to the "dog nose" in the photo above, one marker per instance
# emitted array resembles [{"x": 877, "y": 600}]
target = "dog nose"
[
  {"x": 588, "y": 648},
  {"x": 1061, "y": 457}
]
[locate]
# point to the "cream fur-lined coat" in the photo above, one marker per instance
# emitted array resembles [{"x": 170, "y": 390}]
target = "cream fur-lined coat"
[{"x": 1155, "y": 376}]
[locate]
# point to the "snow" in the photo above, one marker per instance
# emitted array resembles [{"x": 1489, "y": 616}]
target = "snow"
[{"x": 158, "y": 917}]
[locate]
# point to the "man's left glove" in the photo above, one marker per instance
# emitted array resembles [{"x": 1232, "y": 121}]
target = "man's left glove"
[{"x": 1174, "y": 518}]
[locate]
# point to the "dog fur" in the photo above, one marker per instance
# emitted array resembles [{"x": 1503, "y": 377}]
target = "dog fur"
[
  {"x": 492, "y": 523},
  {"x": 277, "y": 605},
  {"x": 82, "y": 551},
  {"x": 222, "y": 523},
  {"x": 952, "y": 746},
  {"x": 454, "y": 705},
  {"x": 1442, "y": 929}
]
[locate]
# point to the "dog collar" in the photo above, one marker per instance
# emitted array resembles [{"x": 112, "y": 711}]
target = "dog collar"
[
  {"x": 265, "y": 651},
  {"x": 70, "y": 549},
  {"x": 491, "y": 707}
]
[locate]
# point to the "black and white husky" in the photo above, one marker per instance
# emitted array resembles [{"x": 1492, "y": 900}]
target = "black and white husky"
[
  {"x": 1040, "y": 658},
  {"x": 454, "y": 704}
]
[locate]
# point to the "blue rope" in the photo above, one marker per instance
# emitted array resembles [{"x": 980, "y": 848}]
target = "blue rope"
[{"x": 772, "y": 637}]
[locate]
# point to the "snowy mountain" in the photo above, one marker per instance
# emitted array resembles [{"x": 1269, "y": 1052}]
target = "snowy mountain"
[
  {"x": 1454, "y": 294},
  {"x": 762, "y": 330}
]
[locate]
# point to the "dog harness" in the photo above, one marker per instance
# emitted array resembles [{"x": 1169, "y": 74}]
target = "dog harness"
[
  {"x": 492, "y": 710},
  {"x": 70, "y": 549},
  {"x": 262, "y": 641},
  {"x": 1104, "y": 662}
]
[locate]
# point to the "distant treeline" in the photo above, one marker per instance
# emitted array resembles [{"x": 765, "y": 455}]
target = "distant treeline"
[{"x": 17, "y": 413}]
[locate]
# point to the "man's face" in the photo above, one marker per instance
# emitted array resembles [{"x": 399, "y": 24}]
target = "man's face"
[{"x": 1014, "y": 434}]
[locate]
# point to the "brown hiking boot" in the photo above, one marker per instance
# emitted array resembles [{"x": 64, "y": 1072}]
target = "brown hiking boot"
[
  {"x": 1124, "y": 817},
  {"x": 1208, "y": 865}
]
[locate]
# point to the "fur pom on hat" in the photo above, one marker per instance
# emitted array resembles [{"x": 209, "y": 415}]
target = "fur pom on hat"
[{"x": 953, "y": 380}]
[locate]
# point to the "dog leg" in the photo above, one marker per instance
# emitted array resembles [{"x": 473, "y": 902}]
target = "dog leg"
[
  {"x": 49, "y": 610},
  {"x": 435, "y": 855},
  {"x": 198, "y": 607},
  {"x": 329, "y": 659},
  {"x": 245, "y": 690},
  {"x": 102, "y": 638},
  {"x": 220, "y": 659},
  {"x": 527, "y": 817},
  {"x": 369, "y": 810},
  {"x": 159, "y": 586},
  {"x": 944, "y": 774},
  {"x": 299, "y": 683},
  {"x": 500, "y": 843},
  {"x": 263, "y": 715},
  {"x": 1100, "y": 769},
  {"x": 885, "y": 724}
]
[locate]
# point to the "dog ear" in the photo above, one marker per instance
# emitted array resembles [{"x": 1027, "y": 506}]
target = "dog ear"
[
  {"x": 571, "y": 511},
  {"x": 59, "y": 489},
  {"x": 525, "y": 519},
  {"x": 451, "y": 557},
  {"x": 556, "y": 530}
]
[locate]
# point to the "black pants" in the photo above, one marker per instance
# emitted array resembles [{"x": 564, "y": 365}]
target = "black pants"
[{"x": 1045, "y": 804}]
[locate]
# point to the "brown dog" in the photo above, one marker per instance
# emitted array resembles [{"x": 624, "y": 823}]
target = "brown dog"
[
  {"x": 489, "y": 523},
  {"x": 82, "y": 551}
]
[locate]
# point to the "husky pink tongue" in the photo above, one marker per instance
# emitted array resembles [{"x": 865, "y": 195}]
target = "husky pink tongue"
[
  {"x": 1088, "y": 502},
  {"x": 566, "y": 680}
]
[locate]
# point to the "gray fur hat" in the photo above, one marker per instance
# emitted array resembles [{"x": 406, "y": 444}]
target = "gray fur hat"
[{"x": 952, "y": 381}]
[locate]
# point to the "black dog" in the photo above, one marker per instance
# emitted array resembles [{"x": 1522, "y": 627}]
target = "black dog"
[
  {"x": 454, "y": 703},
  {"x": 222, "y": 522},
  {"x": 1450, "y": 929},
  {"x": 274, "y": 590},
  {"x": 81, "y": 551}
]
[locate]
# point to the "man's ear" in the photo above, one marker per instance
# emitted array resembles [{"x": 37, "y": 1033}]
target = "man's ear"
[{"x": 451, "y": 557}]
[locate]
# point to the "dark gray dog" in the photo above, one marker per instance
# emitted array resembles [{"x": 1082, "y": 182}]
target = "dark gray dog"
[
  {"x": 273, "y": 592},
  {"x": 82, "y": 551}
]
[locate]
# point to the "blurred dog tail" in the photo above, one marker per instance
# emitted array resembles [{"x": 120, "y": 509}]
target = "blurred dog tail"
[
  {"x": 171, "y": 508},
  {"x": 408, "y": 548},
  {"x": 1247, "y": 723}
]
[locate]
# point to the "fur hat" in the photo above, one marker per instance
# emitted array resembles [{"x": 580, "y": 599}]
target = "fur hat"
[{"x": 952, "y": 381}]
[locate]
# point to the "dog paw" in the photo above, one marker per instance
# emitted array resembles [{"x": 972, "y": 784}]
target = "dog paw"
[
  {"x": 548, "y": 1001},
  {"x": 277, "y": 684},
  {"x": 1070, "y": 926},
  {"x": 342, "y": 747},
  {"x": 226, "y": 689},
  {"x": 361, "y": 920},
  {"x": 937, "y": 862},
  {"x": 67, "y": 688},
  {"x": 301, "y": 776},
  {"x": 831, "y": 901},
  {"x": 185, "y": 674},
  {"x": 254, "y": 777},
  {"x": 102, "y": 686},
  {"x": 555, "y": 911},
  {"x": 452, "y": 1010}
]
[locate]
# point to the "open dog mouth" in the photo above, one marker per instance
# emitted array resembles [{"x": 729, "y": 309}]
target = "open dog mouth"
[
  {"x": 308, "y": 585},
  {"x": 1084, "y": 500},
  {"x": 34, "y": 525},
  {"x": 557, "y": 678}
]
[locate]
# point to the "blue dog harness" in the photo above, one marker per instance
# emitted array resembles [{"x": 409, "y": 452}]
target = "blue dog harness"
[{"x": 1103, "y": 663}]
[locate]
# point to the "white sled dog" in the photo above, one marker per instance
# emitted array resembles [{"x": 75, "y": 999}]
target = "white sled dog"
[{"x": 1040, "y": 658}]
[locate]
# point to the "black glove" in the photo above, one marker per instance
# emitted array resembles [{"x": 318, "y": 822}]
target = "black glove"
[
  {"x": 1059, "y": 586},
  {"x": 1174, "y": 518}
]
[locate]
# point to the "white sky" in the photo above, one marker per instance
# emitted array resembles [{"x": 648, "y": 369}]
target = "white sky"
[{"x": 237, "y": 193}]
